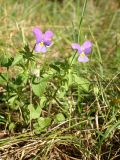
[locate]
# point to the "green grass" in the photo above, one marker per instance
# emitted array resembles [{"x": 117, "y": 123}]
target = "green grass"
[{"x": 82, "y": 121}]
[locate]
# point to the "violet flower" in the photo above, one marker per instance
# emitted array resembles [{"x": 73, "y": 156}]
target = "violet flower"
[
  {"x": 42, "y": 40},
  {"x": 83, "y": 50}
]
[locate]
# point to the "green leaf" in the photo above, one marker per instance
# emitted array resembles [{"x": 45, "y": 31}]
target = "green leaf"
[
  {"x": 35, "y": 111},
  {"x": 96, "y": 90},
  {"x": 11, "y": 126},
  {"x": 59, "y": 117},
  {"x": 39, "y": 88},
  {"x": 27, "y": 54},
  {"x": 2, "y": 120},
  {"x": 82, "y": 82},
  {"x": 42, "y": 124},
  {"x": 42, "y": 101},
  {"x": 3, "y": 78},
  {"x": 14, "y": 102},
  {"x": 6, "y": 61},
  {"x": 55, "y": 67},
  {"x": 17, "y": 59}
]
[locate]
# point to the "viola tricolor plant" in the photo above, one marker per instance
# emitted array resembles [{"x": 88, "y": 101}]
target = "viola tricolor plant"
[
  {"x": 42, "y": 40},
  {"x": 83, "y": 50},
  {"x": 42, "y": 84}
]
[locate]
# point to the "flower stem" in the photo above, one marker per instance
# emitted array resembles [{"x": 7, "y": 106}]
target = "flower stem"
[
  {"x": 33, "y": 48},
  {"x": 73, "y": 58}
]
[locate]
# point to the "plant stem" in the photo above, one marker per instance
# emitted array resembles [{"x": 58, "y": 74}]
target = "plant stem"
[{"x": 73, "y": 58}]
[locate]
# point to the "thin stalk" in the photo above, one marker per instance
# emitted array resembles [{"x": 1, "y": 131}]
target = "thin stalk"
[
  {"x": 73, "y": 58},
  {"x": 7, "y": 84},
  {"x": 7, "y": 98},
  {"x": 33, "y": 48},
  {"x": 81, "y": 19}
]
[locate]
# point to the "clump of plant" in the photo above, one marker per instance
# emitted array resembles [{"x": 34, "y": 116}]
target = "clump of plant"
[{"x": 40, "y": 95}]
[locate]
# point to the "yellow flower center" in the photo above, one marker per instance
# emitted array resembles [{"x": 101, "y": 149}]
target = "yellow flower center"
[
  {"x": 41, "y": 44},
  {"x": 82, "y": 54}
]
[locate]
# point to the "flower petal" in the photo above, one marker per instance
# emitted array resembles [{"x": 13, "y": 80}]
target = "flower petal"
[
  {"x": 38, "y": 34},
  {"x": 83, "y": 59},
  {"x": 47, "y": 38},
  {"x": 47, "y": 43},
  {"x": 48, "y": 34},
  {"x": 87, "y": 50},
  {"x": 87, "y": 44},
  {"x": 87, "y": 47},
  {"x": 39, "y": 48},
  {"x": 76, "y": 46}
]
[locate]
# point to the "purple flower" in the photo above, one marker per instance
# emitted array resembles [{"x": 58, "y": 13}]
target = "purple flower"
[
  {"x": 83, "y": 50},
  {"x": 42, "y": 40}
]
